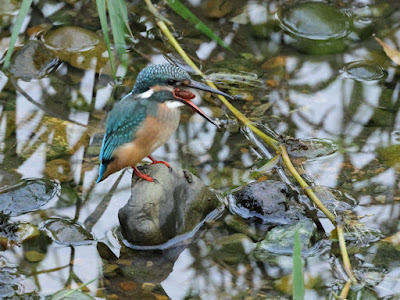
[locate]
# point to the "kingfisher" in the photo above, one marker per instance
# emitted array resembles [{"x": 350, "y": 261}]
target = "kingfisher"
[{"x": 146, "y": 117}]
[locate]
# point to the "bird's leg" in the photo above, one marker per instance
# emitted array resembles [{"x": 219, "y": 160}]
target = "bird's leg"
[
  {"x": 142, "y": 175},
  {"x": 153, "y": 162}
]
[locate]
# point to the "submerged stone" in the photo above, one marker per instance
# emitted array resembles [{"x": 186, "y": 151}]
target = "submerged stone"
[
  {"x": 280, "y": 239},
  {"x": 364, "y": 71},
  {"x": 26, "y": 196},
  {"x": 79, "y": 47},
  {"x": 33, "y": 60},
  {"x": 315, "y": 21},
  {"x": 309, "y": 148},
  {"x": 317, "y": 27},
  {"x": 67, "y": 232}
]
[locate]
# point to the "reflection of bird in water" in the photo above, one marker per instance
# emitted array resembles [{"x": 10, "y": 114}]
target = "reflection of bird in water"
[{"x": 145, "y": 119}]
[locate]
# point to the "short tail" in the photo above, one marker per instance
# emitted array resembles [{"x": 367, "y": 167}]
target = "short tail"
[{"x": 102, "y": 170}]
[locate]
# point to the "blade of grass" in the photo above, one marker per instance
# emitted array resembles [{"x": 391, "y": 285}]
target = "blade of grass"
[
  {"x": 298, "y": 279},
  {"x": 118, "y": 29},
  {"x": 101, "y": 9},
  {"x": 124, "y": 13},
  {"x": 23, "y": 12},
  {"x": 186, "y": 14}
]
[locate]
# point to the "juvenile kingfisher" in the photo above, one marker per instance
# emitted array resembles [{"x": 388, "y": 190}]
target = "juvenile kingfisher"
[{"x": 145, "y": 118}]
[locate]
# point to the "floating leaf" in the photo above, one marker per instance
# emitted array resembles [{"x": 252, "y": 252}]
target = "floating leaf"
[
  {"x": 23, "y": 12},
  {"x": 186, "y": 14},
  {"x": 393, "y": 54}
]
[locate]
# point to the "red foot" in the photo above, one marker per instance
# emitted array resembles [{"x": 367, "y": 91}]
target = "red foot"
[
  {"x": 142, "y": 175},
  {"x": 153, "y": 161}
]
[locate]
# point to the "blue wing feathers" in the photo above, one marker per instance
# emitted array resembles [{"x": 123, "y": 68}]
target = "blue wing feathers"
[{"x": 122, "y": 123}]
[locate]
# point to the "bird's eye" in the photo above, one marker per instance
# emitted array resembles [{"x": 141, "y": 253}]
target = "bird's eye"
[{"x": 171, "y": 82}]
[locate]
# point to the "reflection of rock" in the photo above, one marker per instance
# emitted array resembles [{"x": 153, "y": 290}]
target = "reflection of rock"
[
  {"x": 267, "y": 202},
  {"x": 137, "y": 274},
  {"x": 157, "y": 212}
]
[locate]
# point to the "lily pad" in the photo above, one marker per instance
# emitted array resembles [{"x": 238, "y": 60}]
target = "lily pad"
[
  {"x": 26, "y": 196},
  {"x": 33, "y": 60},
  {"x": 79, "y": 47},
  {"x": 67, "y": 232},
  {"x": 364, "y": 71}
]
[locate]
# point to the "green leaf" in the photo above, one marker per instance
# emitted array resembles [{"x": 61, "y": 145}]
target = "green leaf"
[
  {"x": 124, "y": 14},
  {"x": 186, "y": 14},
  {"x": 117, "y": 27},
  {"x": 23, "y": 12},
  {"x": 101, "y": 9},
  {"x": 298, "y": 280}
]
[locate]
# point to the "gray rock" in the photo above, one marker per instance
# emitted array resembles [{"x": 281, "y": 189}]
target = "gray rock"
[{"x": 157, "y": 212}]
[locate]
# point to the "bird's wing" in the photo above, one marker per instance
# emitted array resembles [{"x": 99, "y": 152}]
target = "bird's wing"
[{"x": 122, "y": 123}]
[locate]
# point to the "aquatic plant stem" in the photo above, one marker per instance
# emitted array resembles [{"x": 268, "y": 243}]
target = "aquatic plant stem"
[
  {"x": 343, "y": 250},
  {"x": 346, "y": 289}
]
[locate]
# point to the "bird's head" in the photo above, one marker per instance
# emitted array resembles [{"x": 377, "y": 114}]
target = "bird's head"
[{"x": 164, "y": 83}]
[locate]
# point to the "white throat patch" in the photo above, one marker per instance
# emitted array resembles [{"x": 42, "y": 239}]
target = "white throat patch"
[
  {"x": 147, "y": 94},
  {"x": 173, "y": 104}
]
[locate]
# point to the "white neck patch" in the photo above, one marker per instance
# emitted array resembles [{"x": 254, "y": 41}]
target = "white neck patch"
[
  {"x": 173, "y": 104},
  {"x": 147, "y": 94}
]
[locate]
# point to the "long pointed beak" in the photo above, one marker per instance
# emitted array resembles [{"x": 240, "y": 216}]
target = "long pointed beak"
[
  {"x": 199, "y": 111},
  {"x": 200, "y": 86}
]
